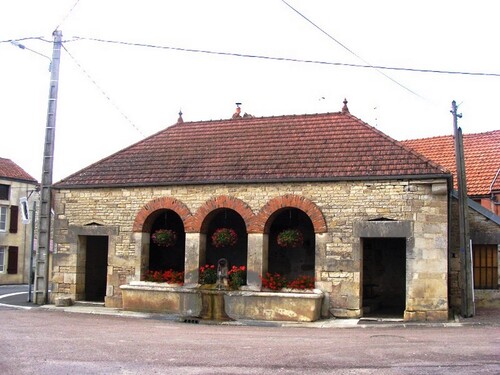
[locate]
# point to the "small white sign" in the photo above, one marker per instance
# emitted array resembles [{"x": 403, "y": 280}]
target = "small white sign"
[{"x": 25, "y": 211}]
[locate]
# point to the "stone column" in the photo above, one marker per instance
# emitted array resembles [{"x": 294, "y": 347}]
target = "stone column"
[
  {"x": 141, "y": 261},
  {"x": 258, "y": 245},
  {"x": 194, "y": 257}
]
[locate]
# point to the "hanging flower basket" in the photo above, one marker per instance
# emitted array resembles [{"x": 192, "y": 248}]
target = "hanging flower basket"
[
  {"x": 224, "y": 237},
  {"x": 290, "y": 238},
  {"x": 164, "y": 237}
]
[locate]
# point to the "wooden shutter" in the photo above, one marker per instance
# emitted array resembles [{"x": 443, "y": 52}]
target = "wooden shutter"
[
  {"x": 14, "y": 218},
  {"x": 485, "y": 266},
  {"x": 12, "y": 260}
]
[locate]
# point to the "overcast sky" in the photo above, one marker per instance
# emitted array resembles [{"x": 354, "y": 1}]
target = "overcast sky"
[{"x": 112, "y": 95}]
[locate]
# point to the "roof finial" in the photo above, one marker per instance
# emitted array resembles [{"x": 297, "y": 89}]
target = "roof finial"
[
  {"x": 180, "y": 120},
  {"x": 236, "y": 114},
  {"x": 344, "y": 108}
]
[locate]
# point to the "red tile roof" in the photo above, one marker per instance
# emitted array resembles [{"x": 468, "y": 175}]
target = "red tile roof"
[
  {"x": 482, "y": 158},
  {"x": 11, "y": 171},
  {"x": 328, "y": 146}
]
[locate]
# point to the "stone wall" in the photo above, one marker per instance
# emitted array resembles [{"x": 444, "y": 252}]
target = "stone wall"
[
  {"x": 419, "y": 205},
  {"x": 482, "y": 232}
]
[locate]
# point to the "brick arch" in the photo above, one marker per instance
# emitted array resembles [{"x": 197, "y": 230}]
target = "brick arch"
[
  {"x": 144, "y": 220},
  {"x": 261, "y": 224},
  {"x": 222, "y": 201}
]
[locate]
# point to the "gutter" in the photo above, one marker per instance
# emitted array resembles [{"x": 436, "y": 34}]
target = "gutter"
[{"x": 62, "y": 185}]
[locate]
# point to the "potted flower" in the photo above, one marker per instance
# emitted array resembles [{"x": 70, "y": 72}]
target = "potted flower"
[
  {"x": 164, "y": 237},
  {"x": 237, "y": 276},
  {"x": 208, "y": 274},
  {"x": 224, "y": 237},
  {"x": 169, "y": 276},
  {"x": 290, "y": 238},
  {"x": 273, "y": 281}
]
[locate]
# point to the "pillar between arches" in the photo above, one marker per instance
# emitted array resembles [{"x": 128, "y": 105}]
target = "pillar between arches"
[
  {"x": 194, "y": 256},
  {"x": 257, "y": 259}
]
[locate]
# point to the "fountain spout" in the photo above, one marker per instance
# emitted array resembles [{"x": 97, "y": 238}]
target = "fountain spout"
[{"x": 222, "y": 271}]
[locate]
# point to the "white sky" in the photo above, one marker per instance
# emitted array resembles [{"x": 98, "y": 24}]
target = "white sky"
[{"x": 151, "y": 85}]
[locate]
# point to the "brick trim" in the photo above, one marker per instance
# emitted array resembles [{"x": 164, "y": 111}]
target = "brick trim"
[
  {"x": 143, "y": 220},
  {"x": 199, "y": 221},
  {"x": 262, "y": 222}
]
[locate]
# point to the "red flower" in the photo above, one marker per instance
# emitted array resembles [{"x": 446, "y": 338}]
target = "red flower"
[
  {"x": 237, "y": 276},
  {"x": 168, "y": 276}
]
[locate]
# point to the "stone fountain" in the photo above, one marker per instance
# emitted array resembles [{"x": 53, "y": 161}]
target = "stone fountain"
[{"x": 212, "y": 300}]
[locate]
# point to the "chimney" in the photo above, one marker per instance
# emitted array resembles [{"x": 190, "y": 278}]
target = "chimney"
[{"x": 236, "y": 114}]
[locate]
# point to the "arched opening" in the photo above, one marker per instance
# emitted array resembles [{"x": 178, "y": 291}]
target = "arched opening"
[
  {"x": 235, "y": 254},
  {"x": 295, "y": 258},
  {"x": 170, "y": 253}
]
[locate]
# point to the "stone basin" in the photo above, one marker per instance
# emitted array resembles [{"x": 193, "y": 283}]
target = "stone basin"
[{"x": 211, "y": 304}]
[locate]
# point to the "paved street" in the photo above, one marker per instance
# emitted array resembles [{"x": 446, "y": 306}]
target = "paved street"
[{"x": 53, "y": 341}]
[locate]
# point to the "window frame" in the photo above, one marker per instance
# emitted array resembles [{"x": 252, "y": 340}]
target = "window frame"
[
  {"x": 3, "y": 259},
  {"x": 3, "y": 218},
  {"x": 4, "y": 192}
]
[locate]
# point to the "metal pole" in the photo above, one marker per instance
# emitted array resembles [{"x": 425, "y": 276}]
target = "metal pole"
[
  {"x": 43, "y": 253},
  {"x": 32, "y": 248},
  {"x": 467, "y": 287}
]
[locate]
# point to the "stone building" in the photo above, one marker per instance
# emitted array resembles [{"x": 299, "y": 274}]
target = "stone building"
[
  {"x": 373, "y": 213},
  {"x": 16, "y": 202},
  {"x": 482, "y": 164}
]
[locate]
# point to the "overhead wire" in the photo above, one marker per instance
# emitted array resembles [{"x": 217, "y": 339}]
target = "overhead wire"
[
  {"x": 67, "y": 15},
  {"x": 22, "y": 39},
  {"x": 287, "y": 59},
  {"x": 103, "y": 92},
  {"x": 352, "y": 52}
]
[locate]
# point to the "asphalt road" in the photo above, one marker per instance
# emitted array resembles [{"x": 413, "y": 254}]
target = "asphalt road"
[
  {"x": 51, "y": 341},
  {"x": 16, "y": 295}
]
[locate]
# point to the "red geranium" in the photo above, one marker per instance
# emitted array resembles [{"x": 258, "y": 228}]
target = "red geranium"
[
  {"x": 168, "y": 276},
  {"x": 237, "y": 276}
]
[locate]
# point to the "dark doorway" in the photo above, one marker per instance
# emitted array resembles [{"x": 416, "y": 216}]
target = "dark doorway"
[
  {"x": 384, "y": 277},
  {"x": 96, "y": 264}
]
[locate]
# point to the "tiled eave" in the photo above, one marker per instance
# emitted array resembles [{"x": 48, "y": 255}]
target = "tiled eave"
[{"x": 61, "y": 185}]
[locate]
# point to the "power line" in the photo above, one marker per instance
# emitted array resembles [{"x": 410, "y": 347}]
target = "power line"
[
  {"x": 350, "y": 51},
  {"x": 103, "y": 92},
  {"x": 287, "y": 59},
  {"x": 67, "y": 15},
  {"x": 27, "y": 38}
]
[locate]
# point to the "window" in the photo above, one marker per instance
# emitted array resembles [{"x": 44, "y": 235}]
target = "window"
[
  {"x": 3, "y": 218},
  {"x": 12, "y": 260},
  {"x": 3, "y": 252},
  {"x": 4, "y": 192},
  {"x": 485, "y": 261}
]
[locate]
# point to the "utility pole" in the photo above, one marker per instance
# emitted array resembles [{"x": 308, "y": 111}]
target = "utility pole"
[
  {"x": 43, "y": 254},
  {"x": 467, "y": 286},
  {"x": 30, "y": 279}
]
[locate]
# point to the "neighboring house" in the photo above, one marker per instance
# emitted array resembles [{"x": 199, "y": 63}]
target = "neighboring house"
[
  {"x": 373, "y": 213},
  {"x": 15, "y": 230},
  {"x": 482, "y": 165}
]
